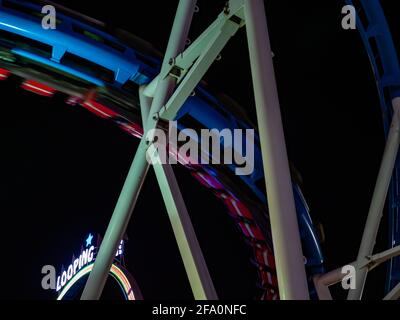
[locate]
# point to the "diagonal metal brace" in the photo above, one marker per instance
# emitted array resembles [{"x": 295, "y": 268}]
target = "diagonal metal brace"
[
  {"x": 197, "y": 71},
  {"x": 189, "y": 247},
  {"x": 180, "y": 65},
  {"x": 322, "y": 282}
]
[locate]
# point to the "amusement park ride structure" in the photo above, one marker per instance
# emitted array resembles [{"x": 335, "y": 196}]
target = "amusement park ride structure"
[
  {"x": 184, "y": 69},
  {"x": 163, "y": 97}
]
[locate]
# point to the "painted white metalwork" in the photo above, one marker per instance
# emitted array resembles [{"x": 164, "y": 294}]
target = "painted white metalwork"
[
  {"x": 292, "y": 280},
  {"x": 322, "y": 282},
  {"x": 159, "y": 100},
  {"x": 138, "y": 171}
]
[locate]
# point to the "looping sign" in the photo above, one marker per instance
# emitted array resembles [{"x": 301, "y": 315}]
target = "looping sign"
[{"x": 83, "y": 265}]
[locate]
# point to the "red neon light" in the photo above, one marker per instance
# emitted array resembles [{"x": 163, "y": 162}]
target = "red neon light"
[
  {"x": 133, "y": 129},
  {"x": 207, "y": 180},
  {"x": 99, "y": 109},
  {"x": 38, "y": 88},
  {"x": 4, "y": 74},
  {"x": 235, "y": 207}
]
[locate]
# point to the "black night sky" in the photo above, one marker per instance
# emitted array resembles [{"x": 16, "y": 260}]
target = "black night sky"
[{"x": 62, "y": 168}]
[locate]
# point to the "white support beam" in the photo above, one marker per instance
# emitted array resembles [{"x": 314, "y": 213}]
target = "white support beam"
[
  {"x": 323, "y": 281},
  {"x": 192, "y": 256},
  {"x": 379, "y": 258},
  {"x": 176, "y": 44},
  {"x": 292, "y": 280},
  {"x": 189, "y": 247}
]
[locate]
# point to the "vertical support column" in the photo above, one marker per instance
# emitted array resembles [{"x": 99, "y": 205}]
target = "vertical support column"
[
  {"x": 378, "y": 200},
  {"x": 195, "y": 266},
  {"x": 285, "y": 231},
  {"x": 176, "y": 45},
  {"x": 140, "y": 165}
]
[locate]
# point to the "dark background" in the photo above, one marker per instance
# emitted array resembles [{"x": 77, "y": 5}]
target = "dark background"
[{"x": 62, "y": 168}]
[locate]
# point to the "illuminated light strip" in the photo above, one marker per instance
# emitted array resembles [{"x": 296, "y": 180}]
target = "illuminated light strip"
[
  {"x": 115, "y": 272},
  {"x": 268, "y": 276},
  {"x": 200, "y": 178},
  {"x": 38, "y": 88},
  {"x": 185, "y": 160},
  {"x": 232, "y": 202},
  {"x": 4, "y": 74},
  {"x": 132, "y": 129},
  {"x": 263, "y": 255},
  {"x": 124, "y": 283},
  {"x": 211, "y": 181},
  {"x": 74, "y": 279},
  {"x": 256, "y": 231},
  {"x": 174, "y": 152},
  {"x": 267, "y": 280},
  {"x": 11, "y": 26},
  {"x": 251, "y": 231},
  {"x": 98, "y": 110},
  {"x": 268, "y": 294},
  {"x": 238, "y": 211},
  {"x": 96, "y": 107}
]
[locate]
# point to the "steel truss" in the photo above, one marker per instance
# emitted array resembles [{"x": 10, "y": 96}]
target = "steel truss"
[{"x": 181, "y": 71}]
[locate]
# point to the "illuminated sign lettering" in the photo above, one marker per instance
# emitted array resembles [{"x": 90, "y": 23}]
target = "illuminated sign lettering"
[{"x": 86, "y": 258}]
